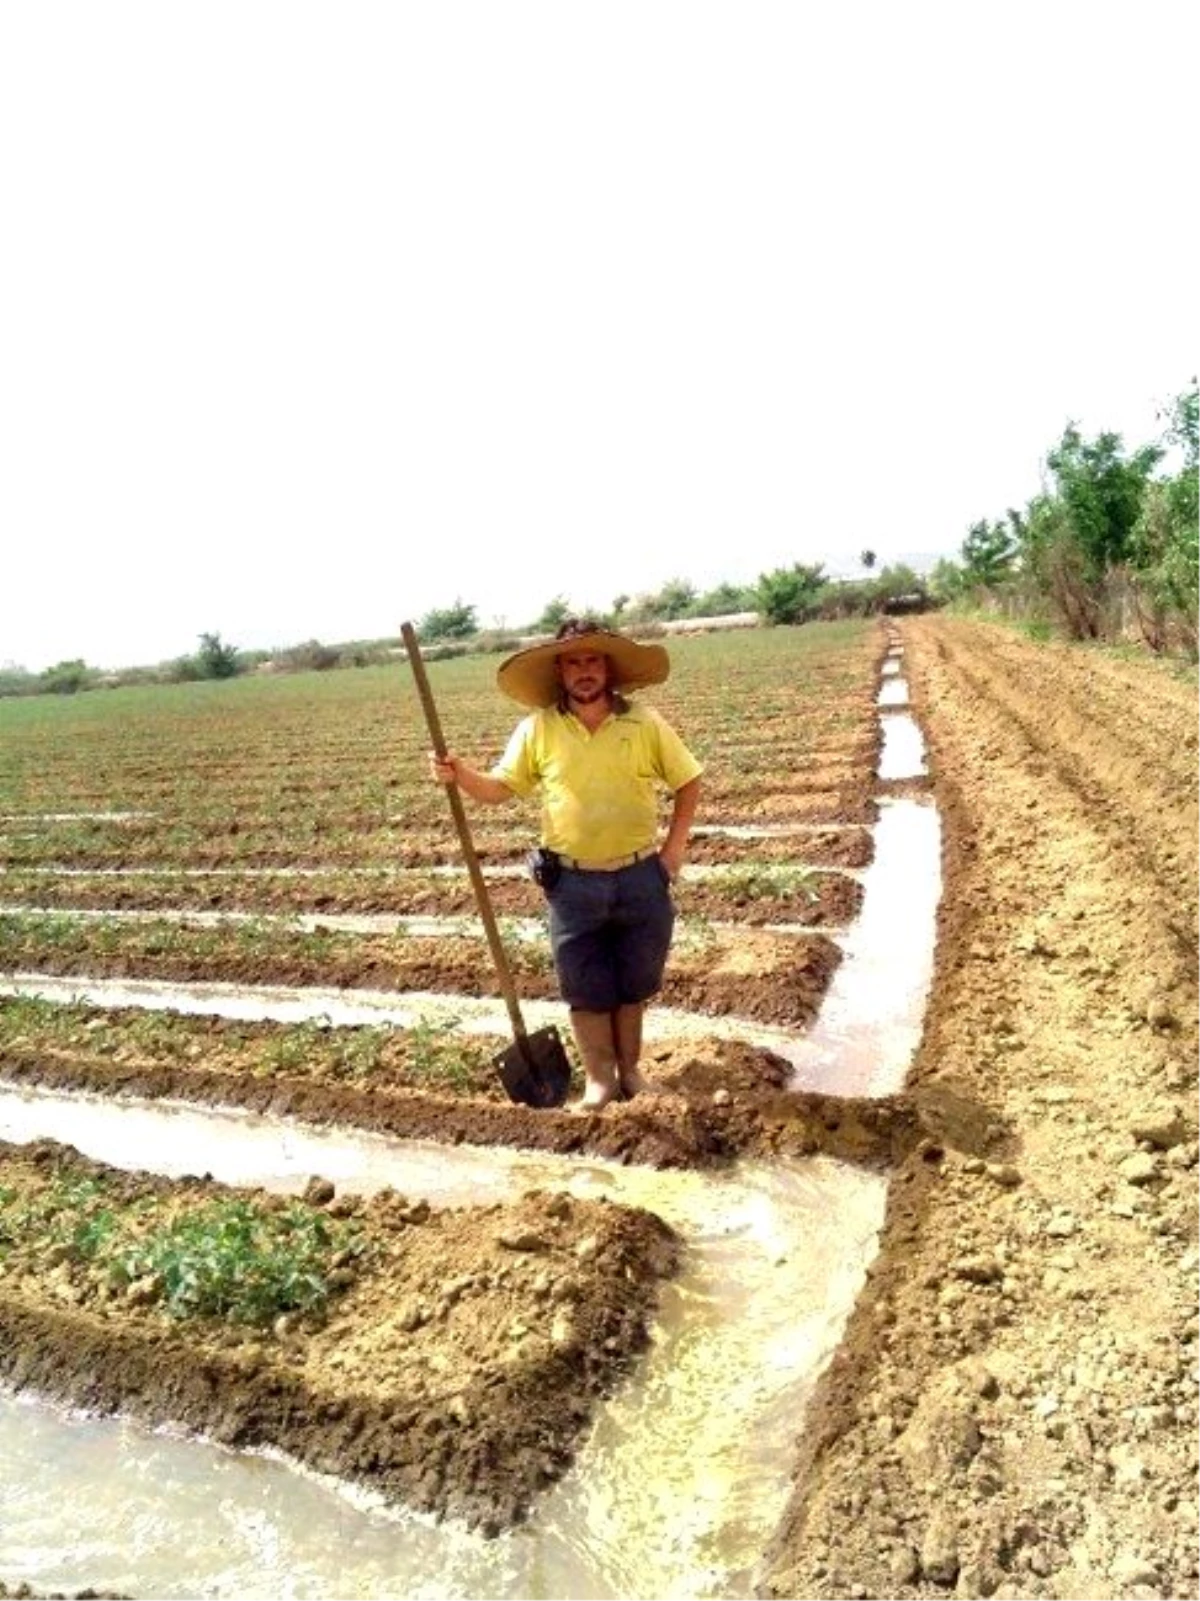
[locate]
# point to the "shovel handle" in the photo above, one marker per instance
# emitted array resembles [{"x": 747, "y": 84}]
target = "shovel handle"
[{"x": 503, "y": 971}]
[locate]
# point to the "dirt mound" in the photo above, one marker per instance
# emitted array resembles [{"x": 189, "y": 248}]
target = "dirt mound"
[
  {"x": 1013, "y": 1412},
  {"x": 453, "y": 1365}
]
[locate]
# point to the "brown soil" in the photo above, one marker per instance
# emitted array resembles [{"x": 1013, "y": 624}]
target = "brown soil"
[
  {"x": 1013, "y": 1411},
  {"x": 454, "y": 1368},
  {"x": 717, "y": 1100},
  {"x": 760, "y": 892},
  {"x": 753, "y": 974}
]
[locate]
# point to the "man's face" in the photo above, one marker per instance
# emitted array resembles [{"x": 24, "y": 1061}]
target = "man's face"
[{"x": 584, "y": 675}]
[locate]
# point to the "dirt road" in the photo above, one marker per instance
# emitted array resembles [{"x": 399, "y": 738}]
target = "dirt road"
[{"x": 1014, "y": 1411}]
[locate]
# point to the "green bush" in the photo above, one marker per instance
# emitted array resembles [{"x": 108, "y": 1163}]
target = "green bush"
[
  {"x": 67, "y": 678},
  {"x": 452, "y": 622},
  {"x": 790, "y": 594}
]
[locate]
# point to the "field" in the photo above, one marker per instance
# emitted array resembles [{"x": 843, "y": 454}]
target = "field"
[{"x": 283, "y": 831}]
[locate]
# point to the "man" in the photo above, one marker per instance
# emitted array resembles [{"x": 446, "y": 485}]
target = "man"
[{"x": 597, "y": 761}]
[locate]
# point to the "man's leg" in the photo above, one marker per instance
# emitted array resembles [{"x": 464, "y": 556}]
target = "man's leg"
[
  {"x": 627, "y": 1030},
  {"x": 644, "y": 923},
  {"x": 593, "y": 1033}
]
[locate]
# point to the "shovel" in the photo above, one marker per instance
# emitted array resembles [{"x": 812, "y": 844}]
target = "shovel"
[{"x": 534, "y": 1069}]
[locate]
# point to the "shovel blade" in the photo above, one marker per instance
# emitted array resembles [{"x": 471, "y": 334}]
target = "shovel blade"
[{"x": 535, "y": 1070}]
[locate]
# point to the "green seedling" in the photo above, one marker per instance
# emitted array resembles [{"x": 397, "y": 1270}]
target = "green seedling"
[
  {"x": 435, "y": 1054},
  {"x": 244, "y": 1263},
  {"x": 764, "y": 881}
]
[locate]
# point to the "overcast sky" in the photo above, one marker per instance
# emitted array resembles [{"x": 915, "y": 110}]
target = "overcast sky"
[{"x": 316, "y": 317}]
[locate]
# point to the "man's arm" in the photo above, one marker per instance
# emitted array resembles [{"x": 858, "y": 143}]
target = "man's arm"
[
  {"x": 674, "y": 847},
  {"x": 479, "y": 786}
]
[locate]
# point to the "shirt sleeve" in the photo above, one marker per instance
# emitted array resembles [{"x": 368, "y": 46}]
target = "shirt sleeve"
[
  {"x": 516, "y": 766},
  {"x": 677, "y": 763}
]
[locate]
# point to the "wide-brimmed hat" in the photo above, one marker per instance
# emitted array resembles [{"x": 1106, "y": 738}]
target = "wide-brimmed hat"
[{"x": 531, "y": 678}]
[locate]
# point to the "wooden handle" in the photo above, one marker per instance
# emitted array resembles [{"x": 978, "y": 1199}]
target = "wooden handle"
[{"x": 478, "y": 884}]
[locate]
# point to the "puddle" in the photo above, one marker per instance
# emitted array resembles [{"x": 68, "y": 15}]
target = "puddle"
[
  {"x": 500, "y": 870},
  {"x": 467, "y": 926},
  {"x": 903, "y": 754},
  {"x": 775, "y": 1259},
  {"x": 772, "y": 830},
  {"x": 74, "y": 817},
  {"x": 280, "y": 1003},
  {"x": 893, "y": 692},
  {"x": 870, "y": 1021}
]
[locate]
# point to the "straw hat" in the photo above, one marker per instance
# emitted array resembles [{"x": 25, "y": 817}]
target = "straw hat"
[{"x": 530, "y": 676}]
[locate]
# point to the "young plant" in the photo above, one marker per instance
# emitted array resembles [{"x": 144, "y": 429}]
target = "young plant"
[
  {"x": 765, "y": 881},
  {"x": 242, "y": 1262}
]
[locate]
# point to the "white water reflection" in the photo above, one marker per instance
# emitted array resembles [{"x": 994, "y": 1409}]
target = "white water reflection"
[
  {"x": 903, "y": 754},
  {"x": 73, "y": 817},
  {"x": 772, "y": 830},
  {"x": 893, "y": 692},
  {"x": 870, "y": 1020},
  {"x": 340, "y": 1008}
]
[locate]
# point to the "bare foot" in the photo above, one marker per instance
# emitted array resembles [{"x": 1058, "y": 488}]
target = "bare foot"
[
  {"x": 595, "y": 1099},
  {"x": 634, "y": 1082}
]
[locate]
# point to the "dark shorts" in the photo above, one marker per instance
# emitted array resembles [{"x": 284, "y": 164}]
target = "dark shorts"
[{"x": 610, "y": 934}]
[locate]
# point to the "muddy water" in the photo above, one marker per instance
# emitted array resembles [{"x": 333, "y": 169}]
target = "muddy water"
[{"x": 675, "y": 1491}]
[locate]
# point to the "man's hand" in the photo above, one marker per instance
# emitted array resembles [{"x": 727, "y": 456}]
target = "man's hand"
[
  {"x": 444, "y": 768},
  {"x": 671, "y": 856},
  {"x": 452, "y": 771}
]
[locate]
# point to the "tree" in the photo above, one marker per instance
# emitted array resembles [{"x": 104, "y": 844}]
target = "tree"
[
  {"x": 1101, "y": 489},
  {"x": 453, "y": 622},
  {"x": 66, "y": 678},
  {"x": 789, "y": 594},
  {"x": 987, "y": 553},
  {"x": 724, "y": 600},
  {"x": 674, "y": 599},
  {"x": 1183, "y": 425},
  {"x": 1165, "y": 549},
  {"x": 215, "y": 659},
  {"x": 948, "y": 580},
  {"x": 554, "y": 613}
]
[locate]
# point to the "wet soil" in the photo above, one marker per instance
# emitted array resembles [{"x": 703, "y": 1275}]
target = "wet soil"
[
  {"x": 749, "y": 973},
  {"x": 1013, "y": 1411},
  {"x": 713, "y": 1101},
  {"x": 453, "y": 1368},
  {"x": 756, "y": 892}
]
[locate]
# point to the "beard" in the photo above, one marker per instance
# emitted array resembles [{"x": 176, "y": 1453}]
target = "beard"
[{"x": 588, "y": 691}]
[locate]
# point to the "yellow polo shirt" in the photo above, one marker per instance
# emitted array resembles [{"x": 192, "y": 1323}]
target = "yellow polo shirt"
[{"x": 599, "y": 790}]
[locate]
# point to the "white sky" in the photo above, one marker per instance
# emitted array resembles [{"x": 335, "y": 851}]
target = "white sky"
[{"x": 316, "y": 316}]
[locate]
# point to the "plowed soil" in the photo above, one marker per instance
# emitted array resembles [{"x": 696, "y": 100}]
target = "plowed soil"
[
  {"x": 1013, "y": 1411},
  {"x": 453, "y": 1367}
]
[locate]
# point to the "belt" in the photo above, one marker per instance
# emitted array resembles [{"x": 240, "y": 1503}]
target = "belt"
[{"x": 613, "y": 864}]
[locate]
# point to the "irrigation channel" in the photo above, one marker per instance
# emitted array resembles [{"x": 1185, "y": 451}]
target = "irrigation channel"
[{"x": 684, "y": 1475}]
